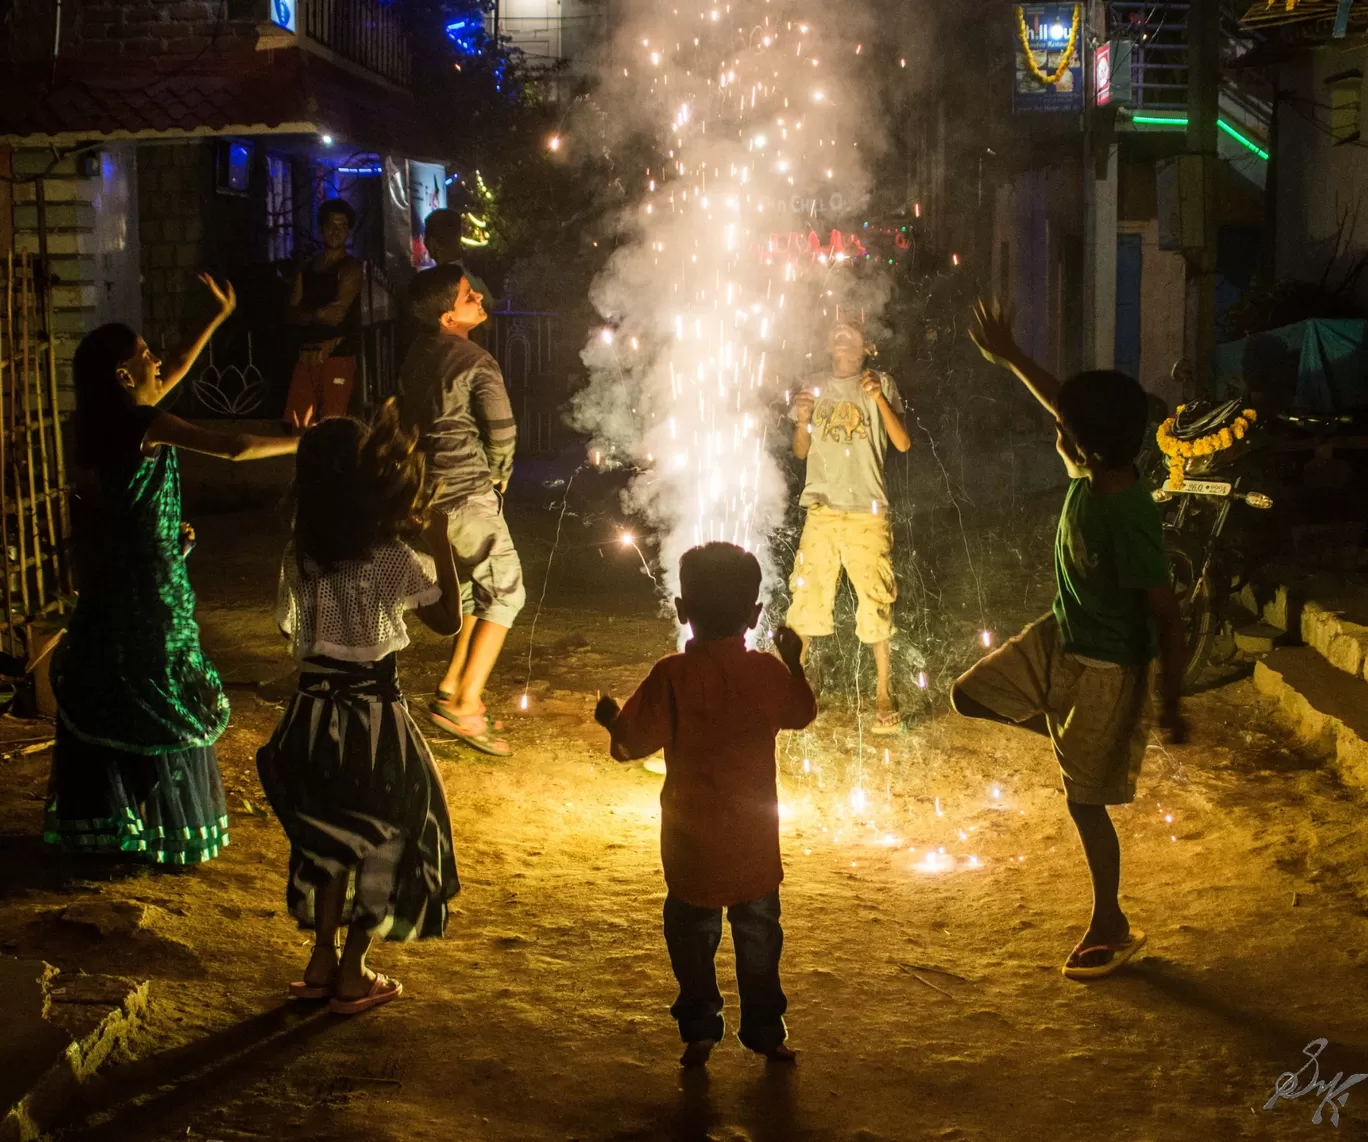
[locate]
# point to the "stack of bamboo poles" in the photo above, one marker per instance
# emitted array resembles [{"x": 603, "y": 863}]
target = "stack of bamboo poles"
[{"x": 35, "y": 506}]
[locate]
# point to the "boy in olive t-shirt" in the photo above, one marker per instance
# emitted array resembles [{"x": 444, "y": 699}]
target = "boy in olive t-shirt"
[{"x": 1083, "y": 674}]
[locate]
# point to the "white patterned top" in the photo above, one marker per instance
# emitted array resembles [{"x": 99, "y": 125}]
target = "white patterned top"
[{"x": 356, "y": 611}]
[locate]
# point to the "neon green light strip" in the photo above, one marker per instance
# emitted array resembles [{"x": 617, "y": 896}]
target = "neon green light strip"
[{"x": 1180, "y": 122}]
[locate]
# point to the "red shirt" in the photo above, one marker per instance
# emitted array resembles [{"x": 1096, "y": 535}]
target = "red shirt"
[{"x": 715, "y": 710}]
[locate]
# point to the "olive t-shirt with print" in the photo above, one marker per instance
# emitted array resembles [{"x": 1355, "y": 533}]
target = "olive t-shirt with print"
[
  {"x": 845, "y": 464},
  {"x": 1109, "y": 550}
]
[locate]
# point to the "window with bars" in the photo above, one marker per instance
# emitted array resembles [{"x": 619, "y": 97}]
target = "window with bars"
[{"x": 280, "y": 208}]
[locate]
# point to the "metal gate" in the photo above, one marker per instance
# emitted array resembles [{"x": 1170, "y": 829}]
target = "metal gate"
[{"x": 35, "y": 523}]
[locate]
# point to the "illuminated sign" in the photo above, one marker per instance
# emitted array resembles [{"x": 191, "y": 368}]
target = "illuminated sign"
[
  {"x": 283, "y": 14},
  {"x": 1114, "y": 74},
  {"x": 1054, "y": 35},
  {"x": 1102, "y": 74}
]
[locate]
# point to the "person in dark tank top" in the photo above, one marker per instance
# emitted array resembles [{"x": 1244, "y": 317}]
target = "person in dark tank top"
[{"x": 325, "y": 307}]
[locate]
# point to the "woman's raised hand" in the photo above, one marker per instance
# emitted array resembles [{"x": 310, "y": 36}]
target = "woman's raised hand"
[{"x": 224, "y": 294}]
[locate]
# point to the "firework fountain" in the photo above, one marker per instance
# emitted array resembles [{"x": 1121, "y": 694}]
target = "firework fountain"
[{"x": 722, "y": 280}]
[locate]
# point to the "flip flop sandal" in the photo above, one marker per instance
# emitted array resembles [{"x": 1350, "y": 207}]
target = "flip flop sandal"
[
  {"x": 382, "y": 990},
  {"x": 463, "y": 727},
  {"x": 1120, "y": 954},
  {"x": 302, "y": 989},
  {"x": 888, "y": 722},
  {"x": 445, "y": 698}
]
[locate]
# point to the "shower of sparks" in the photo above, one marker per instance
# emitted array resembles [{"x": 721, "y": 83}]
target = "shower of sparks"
[{"x": 710, "y": 259}]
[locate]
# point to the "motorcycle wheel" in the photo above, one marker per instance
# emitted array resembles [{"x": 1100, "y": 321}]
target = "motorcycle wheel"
[{"x": 1197, "y": 605}]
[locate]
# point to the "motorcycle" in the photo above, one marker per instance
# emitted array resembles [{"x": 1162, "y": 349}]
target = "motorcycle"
[
  {"x": 1215, "y": 456},
  {"x": 1207, "y": 458}
]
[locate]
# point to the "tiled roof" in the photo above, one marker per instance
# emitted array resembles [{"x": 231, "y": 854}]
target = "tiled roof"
[{"x": 246, "y": 93}]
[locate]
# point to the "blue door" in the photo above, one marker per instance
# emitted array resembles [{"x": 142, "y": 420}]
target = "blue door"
[{"x": 1129, "y": 255}]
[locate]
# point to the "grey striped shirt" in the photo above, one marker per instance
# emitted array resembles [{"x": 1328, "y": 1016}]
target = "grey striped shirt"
[{"x": 454, "y": 392}]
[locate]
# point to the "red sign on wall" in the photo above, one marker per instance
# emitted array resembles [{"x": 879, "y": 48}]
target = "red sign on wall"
[{"x": 1102, "y": 74}]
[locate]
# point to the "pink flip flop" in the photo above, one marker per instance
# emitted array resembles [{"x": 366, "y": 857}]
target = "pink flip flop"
[
  {"x": 1118, "y": 954},
  {"x": 382, "y": 990},
  {"x": 473, "y": 729},
  {"x": 301, "y": 989}
]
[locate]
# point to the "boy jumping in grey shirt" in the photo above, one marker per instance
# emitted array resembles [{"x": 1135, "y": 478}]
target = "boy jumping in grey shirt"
[{"x": 454, "y": 392}]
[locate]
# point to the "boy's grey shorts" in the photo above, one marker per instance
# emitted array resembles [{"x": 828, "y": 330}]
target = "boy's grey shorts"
[
  {"x": 1099, "y": 714},
  {"x": 486, "y": 560}
]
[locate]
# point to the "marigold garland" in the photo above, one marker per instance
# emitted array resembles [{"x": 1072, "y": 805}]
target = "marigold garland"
[
  {"x": 1180, "y": 451},
  {"x": 1049, "y": 80}
]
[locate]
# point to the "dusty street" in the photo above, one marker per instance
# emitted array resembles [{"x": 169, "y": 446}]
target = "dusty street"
[{"x": 932, "y": 892}]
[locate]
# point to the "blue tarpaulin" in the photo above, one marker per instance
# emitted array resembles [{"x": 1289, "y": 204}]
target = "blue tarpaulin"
[{"x": 1317, "y": 366}]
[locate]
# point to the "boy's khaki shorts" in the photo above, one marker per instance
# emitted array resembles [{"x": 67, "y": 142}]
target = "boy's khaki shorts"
[
  {"x": 486, "y": 560},
  {"x": 862, "y": 543},
  {"x": 1098, "y": 714}
]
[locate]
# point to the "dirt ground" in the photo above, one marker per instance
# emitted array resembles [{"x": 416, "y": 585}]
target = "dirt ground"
[{"x": 932, "y": 892}]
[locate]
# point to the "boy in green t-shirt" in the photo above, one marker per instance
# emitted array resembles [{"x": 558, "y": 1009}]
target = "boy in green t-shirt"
[{"x": 1083, "y": 674}]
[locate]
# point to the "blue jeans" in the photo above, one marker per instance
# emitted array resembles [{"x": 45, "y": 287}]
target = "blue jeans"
[{"x": 692, "y": 935}]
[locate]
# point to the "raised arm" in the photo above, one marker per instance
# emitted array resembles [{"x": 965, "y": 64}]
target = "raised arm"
[
  {"x": 172, "y": 430},
  {"x": 993, "y": 336},
  {"x": 226, "y": 297},
  {"x": 872, "y": 384}
]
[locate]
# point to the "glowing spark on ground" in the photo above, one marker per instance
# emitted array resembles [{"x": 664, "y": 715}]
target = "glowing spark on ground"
[{"x": 554, "y": 143}]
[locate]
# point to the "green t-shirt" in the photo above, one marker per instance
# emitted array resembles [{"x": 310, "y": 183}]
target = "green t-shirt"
[{"x": 1108, "y": 550}]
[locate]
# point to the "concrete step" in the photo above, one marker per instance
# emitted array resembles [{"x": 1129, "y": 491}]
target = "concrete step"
[
  {"x": 1255, "y": 638},
  {"x": 1327, "y": 610},
  {"x": 58, "y": 1029},
  {"x": 1326, "y": 708},
  {"x": 1335, "y": 625}
]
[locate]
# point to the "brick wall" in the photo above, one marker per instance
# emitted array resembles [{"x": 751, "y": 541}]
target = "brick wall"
[
  {"x": 173, "y": 181},
  {"x": 68, "y": 198},
  {"x": 149, "y": 29}
]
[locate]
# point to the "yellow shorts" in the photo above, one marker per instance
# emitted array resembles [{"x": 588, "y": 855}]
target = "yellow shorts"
[
  {"x": 1098, "y": 714},
  {"x": 860, "y": 542}
]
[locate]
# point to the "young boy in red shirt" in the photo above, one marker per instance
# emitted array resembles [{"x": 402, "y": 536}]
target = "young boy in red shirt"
[{"x": 715, "y": 710}]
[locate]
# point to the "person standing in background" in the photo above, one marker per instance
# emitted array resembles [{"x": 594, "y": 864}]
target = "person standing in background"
[
  {"x": 326, "y": 304},
  {"x": 843, "y": 424}
]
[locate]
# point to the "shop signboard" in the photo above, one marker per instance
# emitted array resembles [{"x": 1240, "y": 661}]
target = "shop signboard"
[
  {"x": 1049, "y": 57},
  {"x": 427, "y": 191},
  {"x": 1113, "y": 74},
  {"x": 283, "y": 14}
]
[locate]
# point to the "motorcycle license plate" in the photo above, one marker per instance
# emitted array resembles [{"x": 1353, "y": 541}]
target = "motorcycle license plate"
[{"x": 1202, "y": 487}]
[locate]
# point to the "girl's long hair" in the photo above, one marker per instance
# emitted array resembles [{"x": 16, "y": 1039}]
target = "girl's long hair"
[
  {"x": 357, "y": 486},
  {"x": 100, "y": 400}
]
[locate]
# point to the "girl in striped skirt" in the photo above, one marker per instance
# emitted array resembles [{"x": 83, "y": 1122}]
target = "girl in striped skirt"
[{"x": 347, "y": 771}]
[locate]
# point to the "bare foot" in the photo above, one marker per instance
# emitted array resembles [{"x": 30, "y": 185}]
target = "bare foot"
[
  {"x": 351, "y": 986},
  {"x": 1099, "y": 935},
  {"x": 322, "y": 967},
  {"x": 696, "y": 1053},
  {"x": 780, "y": 1053}
]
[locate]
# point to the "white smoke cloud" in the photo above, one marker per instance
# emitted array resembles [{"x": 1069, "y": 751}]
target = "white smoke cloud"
[{"x": 734, "y": 263}]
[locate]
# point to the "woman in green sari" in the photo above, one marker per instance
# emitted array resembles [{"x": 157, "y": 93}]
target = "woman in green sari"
[{"x": 139, "y": 706}]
